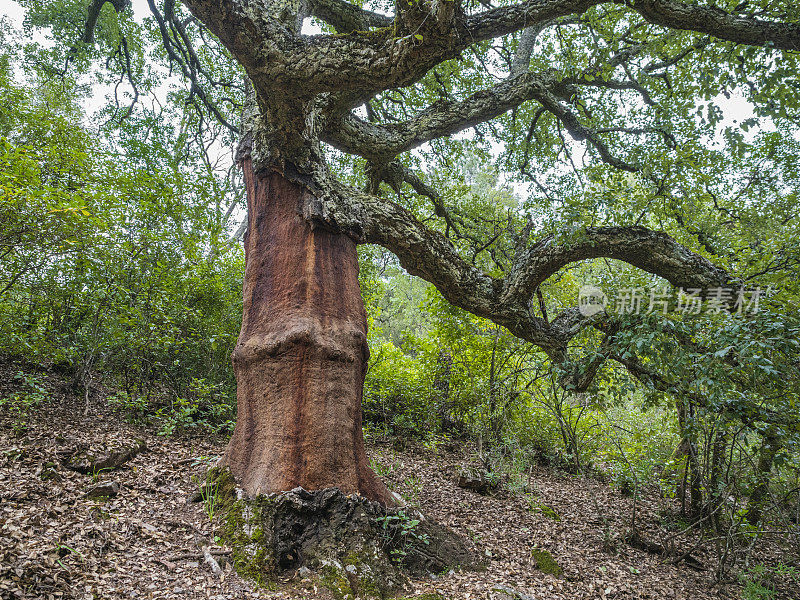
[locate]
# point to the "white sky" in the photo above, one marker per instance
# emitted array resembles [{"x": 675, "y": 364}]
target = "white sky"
[{"x": 12, "y": 10}]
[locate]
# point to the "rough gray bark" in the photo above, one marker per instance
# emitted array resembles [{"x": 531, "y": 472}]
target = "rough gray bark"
[
  {"x": 307, "y": 86},
  {"x": 366, "y": 62},
  {"x": 383, "y": 142},
  {"x": 719, "y": 23},
  {"x": 428, "y": 254},
  {"x": 346, "y": 17}
]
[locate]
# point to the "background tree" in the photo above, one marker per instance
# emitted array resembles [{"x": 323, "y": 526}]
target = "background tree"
[{"x": 115, "y": 270}]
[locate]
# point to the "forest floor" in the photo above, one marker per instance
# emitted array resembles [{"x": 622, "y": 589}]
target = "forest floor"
[{"x": 144, "y": 543}]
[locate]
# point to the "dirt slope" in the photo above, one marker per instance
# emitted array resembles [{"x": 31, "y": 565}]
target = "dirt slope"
[{"x": 144, "y": 543}]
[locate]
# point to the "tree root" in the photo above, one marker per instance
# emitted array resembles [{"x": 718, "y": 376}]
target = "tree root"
[
  {"x": 82, "y": 462},
  {"x": 636, "y": 540},
  {"x": 352, "y": 545}
]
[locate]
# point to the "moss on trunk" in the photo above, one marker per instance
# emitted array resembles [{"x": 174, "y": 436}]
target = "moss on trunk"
[{"x": 355, "y": 547}]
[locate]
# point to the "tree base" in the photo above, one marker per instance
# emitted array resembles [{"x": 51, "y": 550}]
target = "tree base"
[{"x": 355, "y": 547}]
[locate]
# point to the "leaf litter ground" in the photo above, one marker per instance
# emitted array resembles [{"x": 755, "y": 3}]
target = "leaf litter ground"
[{"x": 145, "y": 542}]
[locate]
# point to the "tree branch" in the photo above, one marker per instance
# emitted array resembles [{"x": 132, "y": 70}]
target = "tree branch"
[
  {"x": 361, "y": 62},
  {"x": 508, "y": 19},
  {"x": 381, "y": 143},
  {"x": 92, "y": 15},
  {"x": 190, "y": 66},
  {"x": 507, "y": 302},
  {"x": 720, "y": 24},
  {"x": 651, "y": 251},
  {"x": 346, "y": 17}
]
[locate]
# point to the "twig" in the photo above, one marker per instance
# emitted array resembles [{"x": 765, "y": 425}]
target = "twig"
[
  {"x": 198, "y": 555},
  {"x": 212, "y": 562}
]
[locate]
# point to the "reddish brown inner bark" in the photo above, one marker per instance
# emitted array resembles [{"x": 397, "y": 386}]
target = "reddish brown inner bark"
[{"x": 302, "y": 352}]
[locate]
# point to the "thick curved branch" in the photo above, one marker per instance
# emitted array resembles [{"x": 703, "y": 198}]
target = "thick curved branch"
[
  {"x": 508, "y": 19},
  {"x": 346, "y": 17},
  {"x": 379, "y": 62},
  {"x": 507, "y": 302},
  {"x": 651, "y": 251},
  {"x": 253, "y": 35},
  {"x": 720, "y": 24},
  {"x": 381, "y": 143},
  {"x": 367, "y": 62},
  {"x": 522, "y": 55},
  {"x": 427, "y": 254},
  {"x": 362, "y": 62},
  {"x": 289, "y": 68},
  {"x": 93, "y": 15}
]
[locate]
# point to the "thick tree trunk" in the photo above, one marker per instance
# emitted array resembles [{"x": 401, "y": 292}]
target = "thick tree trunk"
[{"x": 302, "y": 352}]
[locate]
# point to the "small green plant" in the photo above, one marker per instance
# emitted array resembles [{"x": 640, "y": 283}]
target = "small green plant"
[
  {"x": 178, "y": 416},
  {"x": 135, "y": 409},
  {"x": 63, "y": 550},
  {"x": 32, "y": 394},
  {"x": 536, "y": 506},
  {"x": 209, "y": 495},
  {"x": 550, "y": 512},
  {"x": 473, "y": 535},
  {"x": 203, "y": 407},
  {"x": 19, "y": 405},
  {"x": 759, "y": 581},
  {"x": 384, "y": 469},
  {"x": 412, "y": 487},
  {"x": 400, "y": 533},
  {"x": 96, "y": 473},
  {"x": 432, "y": 442},
  {"x": 19, "y": 427},
  {"x": 517, "y": 482}
]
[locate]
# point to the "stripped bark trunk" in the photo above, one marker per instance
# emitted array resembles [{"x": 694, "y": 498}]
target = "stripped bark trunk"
[{"x": 302, "y": 352}]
